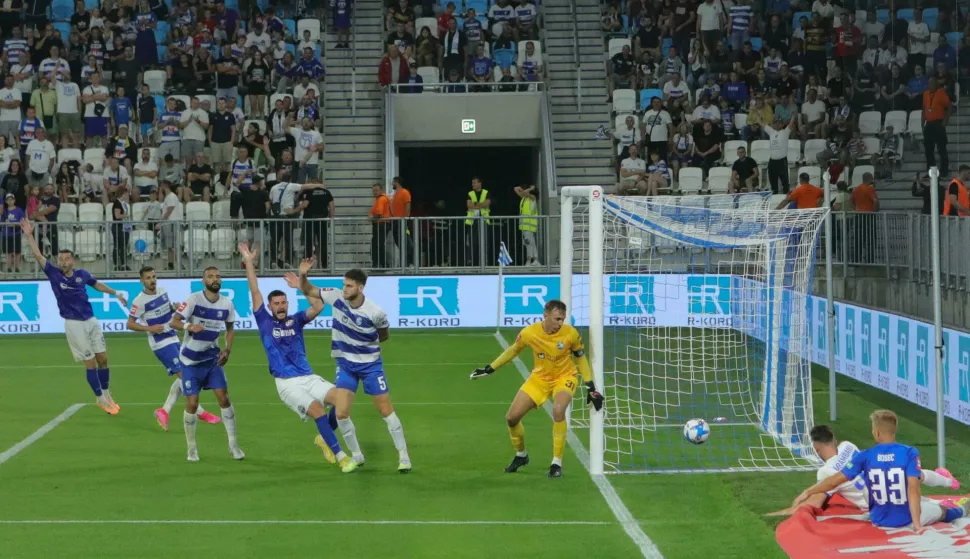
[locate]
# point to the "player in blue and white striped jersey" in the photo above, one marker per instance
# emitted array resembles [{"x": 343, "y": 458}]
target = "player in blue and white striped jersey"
[
  {"x": 153, "y": 309},
  {"x": 202, "y": 316},
  {"x": 359, "y": 327}
]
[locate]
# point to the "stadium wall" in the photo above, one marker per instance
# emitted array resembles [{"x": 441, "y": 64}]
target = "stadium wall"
[
  {"x": 438, "y": 117},
  {"x": 881, "y": 349}
]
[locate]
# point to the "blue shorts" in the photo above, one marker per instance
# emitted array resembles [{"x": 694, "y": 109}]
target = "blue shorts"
[
  {"x": 375, "y": 383},
  {"x": 204, "y": 376},
  {"x": 146, "y": 131},
  {"x": 95, "y": 126},
  {"x": 168, "y": 356}
]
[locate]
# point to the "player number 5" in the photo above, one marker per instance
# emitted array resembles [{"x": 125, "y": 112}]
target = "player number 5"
[
  {"x": 888, "y": 487},
  {"x": 381, "y": 382}
]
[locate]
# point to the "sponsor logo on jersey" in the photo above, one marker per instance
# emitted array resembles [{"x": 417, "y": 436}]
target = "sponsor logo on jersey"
[
  {"x": 560, "y": 346},
  {"x": 237, "y": 291}
]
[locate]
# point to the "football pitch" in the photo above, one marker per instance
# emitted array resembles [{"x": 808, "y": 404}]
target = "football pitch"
[{"x": 75, "y": 482}]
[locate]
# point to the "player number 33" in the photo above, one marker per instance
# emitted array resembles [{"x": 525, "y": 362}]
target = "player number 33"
[{"x": 888, "y": 487}]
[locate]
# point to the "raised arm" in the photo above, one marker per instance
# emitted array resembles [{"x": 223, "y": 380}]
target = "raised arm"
[
  {"x": 248, "y": 257},
  {"x": 316, "y": 303},
  {"x": 508, "y": 355},
  {"x": 103, "y": 288},
  {"x": 28, "y": 230}
]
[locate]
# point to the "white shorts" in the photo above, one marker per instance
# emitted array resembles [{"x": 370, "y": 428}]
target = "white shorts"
[
  {"x": 85, "y": 338},
  {"x": 299, "y": 392}
]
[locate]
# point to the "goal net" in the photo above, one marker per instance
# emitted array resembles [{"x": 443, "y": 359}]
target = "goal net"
[{"x": 692, "y": 307}]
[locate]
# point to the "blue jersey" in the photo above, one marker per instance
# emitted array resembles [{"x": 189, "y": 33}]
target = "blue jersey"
[
  {"x": 71, "y": 292},
  {"x": 886, "y": 469},
  {"x": 27, "y": 130},
  {"x": 283, "y": 342},
  {"x": 481, "y": 66},
  {"x": 121, "y": 109}
]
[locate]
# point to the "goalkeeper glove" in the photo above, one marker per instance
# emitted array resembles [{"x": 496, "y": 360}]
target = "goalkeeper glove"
[
  {"x": 593, "y": 396},
  {"x": 481, "y": 372}
]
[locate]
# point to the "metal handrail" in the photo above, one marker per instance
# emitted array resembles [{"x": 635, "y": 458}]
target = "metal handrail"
[
  {"x": 550, "y": 145},
  {"x": 579, "y": 70},
  {"x": 353, "y": 61},
  {"x": 463, "y": 87}
]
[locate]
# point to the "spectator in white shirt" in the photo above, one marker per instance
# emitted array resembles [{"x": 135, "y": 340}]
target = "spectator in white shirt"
[
  {"x": 169, "y": 230},
  {"x": 282, "y": 200},
  {"x": 69, "y": 126},
  {"x": 826, "y": 9},
  {"x": 919, "y": 35},
  {"x": 676, "y": 95},
  {"x": 41, "y": 156},
  {"x": 51, "y": 67},
  {"x": 873, "y": 28},
  {"x": 813, "y": 116},
  {"x": 194, "y": 122},
  {"x": 711, "y": 21},
  {"x": 10, "y": 101},
  {"x": 633, "y": 172},
  {"x": 705, "y": 112},
  {"x": 626, "y": 136},
  {"x": 309, "y": 146},
  {"x": 258, "y": 38},
  {"x": 23, "y": 74},
  {"x": 146, "y": 172},
  {"x": 116, "y": 179}
]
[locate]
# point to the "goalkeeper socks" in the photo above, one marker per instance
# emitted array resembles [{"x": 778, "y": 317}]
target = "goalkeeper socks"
[
  {"x": 229, "y": 420},
  {"x": 558, "y": 439},
  {"x": 396, "y": 430},
  {"x": 103, "y": 376},
  {"x": 329, "y": 437},
  {"x": 934, "y": 479},
  {"x": 349, "y": 434},
  {"x": 517, "y": 434},
  {"x": 93, "y": 381},
  {"x": 173, "y": 394},
  {"x": 189, "y": 422}
]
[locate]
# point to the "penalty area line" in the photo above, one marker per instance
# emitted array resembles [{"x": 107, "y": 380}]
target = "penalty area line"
[
  {"x": 324, "y": 522},
  {"x": 36, "y": 435},
  {"x": 623, "y": 515}
]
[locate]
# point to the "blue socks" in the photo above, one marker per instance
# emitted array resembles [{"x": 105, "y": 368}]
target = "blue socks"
[
  {"x": 94, "y": 381},
  {"x": 949, "y": 515},
  {"x": 323, "y": 425},
  {"x": 103, "y": 376},
  {"x": 332, "y": 418}
]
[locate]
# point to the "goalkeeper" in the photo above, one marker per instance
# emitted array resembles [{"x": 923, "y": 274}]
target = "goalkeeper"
[{"x": 554, "y": 347}]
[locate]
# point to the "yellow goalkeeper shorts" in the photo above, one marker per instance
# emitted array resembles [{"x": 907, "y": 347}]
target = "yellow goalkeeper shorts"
[{"x": 540, "y": 389}]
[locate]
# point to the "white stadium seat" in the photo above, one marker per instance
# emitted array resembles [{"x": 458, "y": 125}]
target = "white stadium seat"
[
  {"x": 915, "y": 127},
  {"x": 95, "y": 156},
  {"x": 750, "y": 203},
  {"x": 870, "y": 122},
  {"x": 67, "y": 213},
  {"x": 429, "y": 74},
  {"x": 223, "y": 243},
  {"x": 141, "y": 235},
  {"x": 138, "y": 211},
  {"x": 718, "y": 180},
  {"x": 429, "y": 22},
  {"x": 155, "y": 80},
  {"x": 872, "y": 145},
  {"x": 220, "y": 210},
  {"x": 619, "y": 123},
  {"x": 624, "y": 101},
  {"x": 65, "y": 239},
  {"x": 859, "y": 171},
  {"x": 896, "y": 119},
  {"x": 761, "y": 151},
  {"x": 616, "y": 46},
  {"x": 813, "y": 148},
  {"x": 794, "y": 151},
  {"x": 691, "y": 179},
  {"x": 814, "y": 175},
  {"x": 88, "y": 245},
  {"x": 196, "y": 240},
  {"x": 775, "y": 200},
  {"x": 311, "y": 25},
  {"x": 731, "y": 150},
  {"x": 198, "y": 211},
  {"x": 92, "y": 213},
  {"x": 70, "y": 154}
]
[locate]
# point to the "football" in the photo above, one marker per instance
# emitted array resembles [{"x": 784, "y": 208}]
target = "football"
[{"x": 696, "y": 431}]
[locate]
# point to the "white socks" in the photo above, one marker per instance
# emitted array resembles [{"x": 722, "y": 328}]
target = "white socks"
[
  {"x": 189, "y": 421},
  {"x": 349, "y": 434},
  {"x": 173, "y": 394},
  {"x": 522, "y": 454},
  {"x": 396, "y": 430},
  {"x": 557, "y": 461},
  {"x": 229, "y": 420},
  {"x": 934, "y": 479}
]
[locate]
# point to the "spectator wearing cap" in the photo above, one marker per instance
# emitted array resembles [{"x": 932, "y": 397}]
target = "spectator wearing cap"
[
  {"x": 393, "y": 68},
  {"x": 123, "y": 148},
  {"x": 669, "y": 67},
  {"x": 778, "y": 135},
  {"x": 222, "y": 130},
  {"x": 414, "y": 80},
  {"x": 10, "y": 220}
]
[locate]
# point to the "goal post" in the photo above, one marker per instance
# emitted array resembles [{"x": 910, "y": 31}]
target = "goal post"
[{"x": 692, "y": 306}]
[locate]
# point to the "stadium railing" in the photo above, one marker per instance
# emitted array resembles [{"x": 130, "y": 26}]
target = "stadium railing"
[{"x": 466, "y": 87}]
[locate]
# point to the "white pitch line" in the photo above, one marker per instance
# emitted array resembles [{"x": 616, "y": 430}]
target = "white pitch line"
[
  {"x": 395, "y": 403},
  {"x": 229, "y": 366},
  {"x": 36, "y": 435},
  {"x": 630, "y": 524},
  {"x": 327, "y": 522}
]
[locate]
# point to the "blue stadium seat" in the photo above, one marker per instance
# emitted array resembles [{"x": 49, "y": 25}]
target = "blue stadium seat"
[
  {"x": 92, "y": 4},
  {"x": 797, "y": 16},
  {"x": 626, "y": 24},
  {"x": 291, "y": 25},
  {"x": 162, "y": 53},
  {"x": 756, "y": 43},
  {"x": 480, "y": 6},
  {"x": 170, "y": 4},
  {"x": 159, "y": 103},
  {"x": 647, "y": 94},
  {"x": 665, "y": 46},
  {"x": 64, "y": 28},
  {"x": 62, "y": 10},
  {"x": 232, "y": 5},
  {"x": 931, "y": 16},
  {"x": 954, "y": 38},
  {"x": 504, "y": 57},
  {"x": 291, "y": 48},
  {"x": 905, "y": 14},
  {"x": 882, "y": 16},
  {"x": 263, "y": 5},
  {"x": 161, "y": 32}
]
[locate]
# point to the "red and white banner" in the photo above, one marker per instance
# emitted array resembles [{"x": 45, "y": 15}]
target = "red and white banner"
[{"x": 812, "y": 533}]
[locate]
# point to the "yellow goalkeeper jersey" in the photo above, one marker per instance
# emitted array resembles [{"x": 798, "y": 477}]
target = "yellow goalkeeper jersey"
[{"x": 552, "y": 354}]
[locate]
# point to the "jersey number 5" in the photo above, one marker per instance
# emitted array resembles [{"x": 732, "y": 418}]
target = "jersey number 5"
[{"x": 888, "y": 486}]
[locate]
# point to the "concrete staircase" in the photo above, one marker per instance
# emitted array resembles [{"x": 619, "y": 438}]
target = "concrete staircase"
[
  {"x": 354, "y": 157},
  {"x": 580, "y": 158}
]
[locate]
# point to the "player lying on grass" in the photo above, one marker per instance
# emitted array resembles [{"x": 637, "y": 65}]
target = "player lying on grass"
[
  {"x": 891, "y": 472},
  {"x": 554, "y": 346},
  {"x": 154, "y": 311},
  {"x": 836, "y": 455},
  {"x": 84, "y": 335},
  {"x": 359, "y": 327},
  {"x": 282, "y": 335}
]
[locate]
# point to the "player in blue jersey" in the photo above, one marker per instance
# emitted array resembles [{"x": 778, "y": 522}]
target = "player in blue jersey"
[
  {"x": 154, "y": 310},
  {"x": 891, "y": 472},
  {"x": 202, "y": 316},
  {"x": 282, "y": 336},
  {"x": 84, "y": 335},
  {"x": 359, "y": 327}
]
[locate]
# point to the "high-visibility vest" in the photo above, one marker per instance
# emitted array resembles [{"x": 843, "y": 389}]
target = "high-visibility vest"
[
  {"x": 528, "y": 208},
  {"x": 963, "y": 196},
  {"x": 478, "y": 198}
]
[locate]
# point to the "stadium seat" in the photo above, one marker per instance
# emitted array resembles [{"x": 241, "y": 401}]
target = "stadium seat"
[
  {"x": 313, "y": 26},
  {"x": 691, "y": 179},
  {"x": 92, "y": 4},
  {"x": 70, "y": 154},
  {"x": 814, "y": 174},
  {"x": 277, "y": 96},
  {"x": 775, "y": 200},
  {"x": 915, "y": 127},
  {"x": 731, "y": 150},
  {"x": 220, "y": 210},
  {"x": 931, "y": 16},
  {"x": 95, "y": 156},
  {"x": 756, "y": 44},
  {"x": 619, "y": 122},
  {"x": 159, "y": 103},
  {"x": 291, "y": 48},
  {"x": 429, "y": 22},
  {"x": 902, "y": 147},
  {"x": 162, "y": 53},
  {"x": 740, "y": 120},
  {"x": 799, "y": 15},
  {"x": 954, "y": 38},
  {"x": 760, "y": 151},
  {"x": 859, "y": 171},
  {"x": 65, "y": 240},
  {"x": 185, "y": 99},
  {"x": 67, "y": 213},
  {"x": 63, "y": 28},
  {"x": 195, "y": 241},
  {"x": 794, "y": 151},
  {"x": 626, "y": 24},
  {"x": 178, "y": 214},
  {"x": 521, "y": 53},
  {"x": 718, "y": 180},
  {"x": 141, "y": 235},
  {"x": 429, "y": 74},
  {"x": 91, "y": 214},
  {"x": 870, "y": 122},
  {"x": 882, "y": 16},
  {"x": 665, "y": 46},
  {"x": 505, "y": 58},
  {"x": 137, "y": 213},
  {"x": 860, "y": 17},
  {"x": 62, "y": 10},
  {"x": 155, "y": 79},
  {"x": 290, "y": 26},
  {"x": 813, "y": 148},
  {"x": 905, "y": 14},
  {"x": 161, "y": 32},
  {"x": 646, "y": 95},
  {"x": 872, "y": 145},
  {"x": 624, "y": 100},
  {"x": 616, "y": 46},
  {"x": 223, "y": 243},
  {"x": 88, "y": 245},
  {"x": 198, "y": 211},
  {"x": 896, "y": 119}
]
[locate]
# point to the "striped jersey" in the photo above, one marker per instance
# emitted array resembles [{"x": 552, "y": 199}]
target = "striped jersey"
[
  {"x": 152, "y": 310},
  {"x": 242, "y": 173},
  {"x": 740, "y": 18},
  {"x": 354, "y": 344},
  {"x": 14, "y": 48},
  {"x": 213, "y": 316},
  {"x": 501, "y": 13},
  {"x": 526, "y": 13},
  {"x": 169, "y": 121}
]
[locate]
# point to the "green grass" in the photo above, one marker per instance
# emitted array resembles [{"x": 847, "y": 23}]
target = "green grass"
[{"x": 95, "y": 467}]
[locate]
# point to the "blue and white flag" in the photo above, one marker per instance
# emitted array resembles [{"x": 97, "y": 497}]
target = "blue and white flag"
[{"x": 503, "y": 256}]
